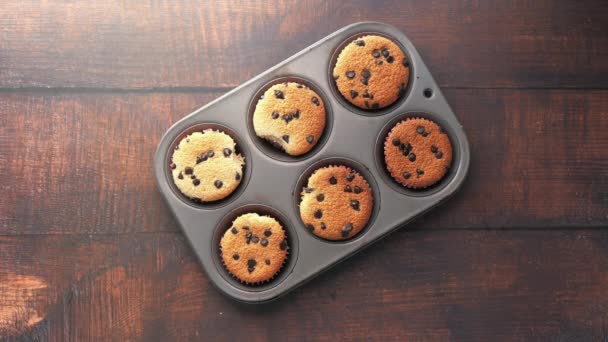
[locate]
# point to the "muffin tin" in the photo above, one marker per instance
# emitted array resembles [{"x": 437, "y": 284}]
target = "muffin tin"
[{"x": 272, "y": 180}]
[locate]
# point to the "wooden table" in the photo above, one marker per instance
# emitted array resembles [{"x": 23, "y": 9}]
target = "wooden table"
[{"x": 89, "y": 251}]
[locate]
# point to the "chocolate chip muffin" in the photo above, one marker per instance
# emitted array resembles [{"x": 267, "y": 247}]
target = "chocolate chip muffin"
[
  {"x": 291, "y": 116},
  {"x": 417, "y": 153},
  {"x": 372, "y": 72},
  {"x": 336, "y": 203},
  {"x": 254, "y": 249},
  {"x": 205, "y": 166}
]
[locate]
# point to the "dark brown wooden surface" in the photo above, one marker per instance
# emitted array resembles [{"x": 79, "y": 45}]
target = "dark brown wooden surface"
[{"x": 88, "y": 251}]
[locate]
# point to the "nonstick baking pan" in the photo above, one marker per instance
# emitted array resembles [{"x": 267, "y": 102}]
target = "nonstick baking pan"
[{"x": 272, "y": 180}]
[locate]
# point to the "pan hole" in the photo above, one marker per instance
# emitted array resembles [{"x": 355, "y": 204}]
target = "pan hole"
[{"x": 428, "y": 92}]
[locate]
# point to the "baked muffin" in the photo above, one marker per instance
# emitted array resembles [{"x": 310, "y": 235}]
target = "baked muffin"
[
  {"x": 205, "y": 166},
  {"x": 337, "y": 203},
  {"x": 254, "y": 249},
  {"x": 417, "y": 153},
  {"x": 372, "y": 72},
  {"x": 291, "y": 116}
]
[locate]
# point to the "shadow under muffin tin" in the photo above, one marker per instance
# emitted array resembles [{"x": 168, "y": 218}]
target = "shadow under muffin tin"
[{"x": 273, "y": 181}]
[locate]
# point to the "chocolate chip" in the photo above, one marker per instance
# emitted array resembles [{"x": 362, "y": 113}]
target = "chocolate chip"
[
  {"x": 287, "y": 118},
  {"x": 357, "y": 190},
  {"x": 267, "y": 232},
  {"x": 218, "y": 183},
  {"x": 419, "y": 172},
  {"x": 367, "y": 95},
  {"x": 299, "y": 86},
  {"x": 188, "y": 170},
  {"x": 396, "y": 142},
  {"x": 264, "y": 242},
  {"x": 234, "y": 230},
  {"x": 379, "y": 62},
  {"x": 193, "y": 177},
  {"x": 407, "y": 175},
  {"x": 402, "y": 90},
  {"x": 180, "y": 176},
  {"x": 267, "y": 261},
  {"x": 315, "y": 100},
  {"x": 366, "y": 104},
  {"x": 405, "y": 149},
  {"x": 279, "y": 94},
  {"x": 237, "y": 176},
  {"x": 385, "y": 52},
  {"x": 350, "y": 176},
  {"x": 251, "y": 265},
  {"x": 286, "y": 138},
  {"x": 197, "y": 200},
  {"x": 173, "y": 166},
  {"x": 411, "y": 157},
  {"x": 275, "y": 115},
  {"x": 439, "y": 155},
  {"x": 420, "y": 129},
  {"x": 350, "y": 74},
  {"x": 296, "y": 114},
  {"x": 425, "y": 134},
  {"x": 255, "y": 239},
  {"x": 235, "y": 256},
  {"x": 248, "y": 237},
  {"x": 353, "y": 94},
  {"x": 354, "y": 204},
  {"x": 283, "y": 245},
  {"x": 245, "y": 227},
  {"x": 359, "y": 43},
  {"x": 406, "y": 63},
  {"x": 376, "y": 53},
  {"x": 320, "y": 197},
  {"x": 364, "y": 80},
  {"x": 308, "y": 190},
  {"x": 210, "y": 153},
  {"x": 366, "y": 73},
  {"x": 346, "y": 230},
  {"x": 196, "y": 182},
  {"x": 323, "y": 226},
  {"x": 310, "y": 139},
  {"x": 348, "y": 189},
  {"x": 333, "y": 180},
  {"x": 318, "y": 214},
  {"x": 310, "y": 227},
  {"x": 390, "y": 59},
  {"x": 375, "y": 105},
  {"x": 433, "y": 148},
  {"x": 201, "y": 158},
  {"x": 227, "y": 152}
]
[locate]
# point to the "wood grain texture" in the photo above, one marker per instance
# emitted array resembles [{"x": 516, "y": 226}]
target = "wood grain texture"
[
  {"x": 416, "y": 285},
  {"x": 83, "y": 163},
  {"x": 164, "y": 44}
]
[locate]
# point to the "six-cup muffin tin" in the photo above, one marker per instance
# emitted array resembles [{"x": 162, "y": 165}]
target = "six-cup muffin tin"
[{"x": 272, "y": 180}]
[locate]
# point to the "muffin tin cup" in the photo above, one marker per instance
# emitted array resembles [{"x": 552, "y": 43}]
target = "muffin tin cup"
[{"x": 272, "y": 181}]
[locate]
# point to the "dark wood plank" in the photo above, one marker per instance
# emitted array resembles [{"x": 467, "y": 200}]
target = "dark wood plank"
[
  {"x": 151, "y": 44},
  {"x": 417, "y": 285},
  {"x": 83, "y": 163}
]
